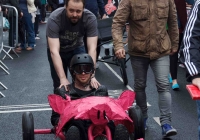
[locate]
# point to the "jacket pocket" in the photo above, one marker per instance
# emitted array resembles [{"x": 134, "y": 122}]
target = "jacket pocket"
[
  {"x": 138, "y": 44},
  {"x": 140, "y": 12},
  {"x": 162, "y": 9},
  {"x": 165, "y": 43}
]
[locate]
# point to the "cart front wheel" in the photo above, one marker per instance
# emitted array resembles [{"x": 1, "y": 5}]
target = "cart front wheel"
[{"x": 28, "y": 126}]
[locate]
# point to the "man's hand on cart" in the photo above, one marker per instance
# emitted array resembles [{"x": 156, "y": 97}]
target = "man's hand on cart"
[
  {"x": 196, "y": 82},
  {"x": 121, "y": 53}
]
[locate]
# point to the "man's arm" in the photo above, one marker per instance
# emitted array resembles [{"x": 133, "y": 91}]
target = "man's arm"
[
  {"x": 119, "y": 21},
  {"x": 189, "y": 52},
  {"x": 92, "y": 46},
  {"x": 54, "y": 46}
]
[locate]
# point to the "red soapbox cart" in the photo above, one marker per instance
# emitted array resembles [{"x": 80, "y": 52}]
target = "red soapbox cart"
[{"x": 99, "y": 110}]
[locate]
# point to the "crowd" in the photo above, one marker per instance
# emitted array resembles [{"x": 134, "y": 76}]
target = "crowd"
[{"x": 159, "y": 38}]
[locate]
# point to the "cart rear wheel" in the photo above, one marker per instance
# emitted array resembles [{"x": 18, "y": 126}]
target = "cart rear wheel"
[
  {"x": 28, "y": 126},
  {"x": 135, "y": 114},
  {"x": 123, "y": 70}
]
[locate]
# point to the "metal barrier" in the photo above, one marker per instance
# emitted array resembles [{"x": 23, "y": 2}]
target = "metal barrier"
[
  {"x": 12, "y": 10},
  {"x": 4, "y": 67}
]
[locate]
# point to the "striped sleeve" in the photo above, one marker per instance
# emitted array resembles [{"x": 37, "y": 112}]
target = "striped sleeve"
[{"x": 191, "y": 41}]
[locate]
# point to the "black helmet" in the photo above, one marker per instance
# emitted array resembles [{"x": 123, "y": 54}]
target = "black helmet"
[{"x": 81, "y": 59}]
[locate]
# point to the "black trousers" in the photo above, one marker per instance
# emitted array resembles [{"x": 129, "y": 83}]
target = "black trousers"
[
  {"x": 43, "y": 12},
  {"x": 174, "y": 59}
]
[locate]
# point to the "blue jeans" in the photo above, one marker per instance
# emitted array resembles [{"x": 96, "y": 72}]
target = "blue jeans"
[
  {"x": 29, "y": 29},
  {"x": 198, "y": 110},
  {"x": 160, "y": 68},
  {"x": 66, "y": 58}
]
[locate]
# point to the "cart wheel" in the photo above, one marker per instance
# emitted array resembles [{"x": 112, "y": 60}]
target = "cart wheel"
[
  {"x": 28, "y": 126},
  {"x": 123, "y": 70},
  {"x": 135, "y": 114},
  {"x": 100, "y": 138}
]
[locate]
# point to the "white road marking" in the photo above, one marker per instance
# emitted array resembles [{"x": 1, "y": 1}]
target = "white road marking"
[
  {"x": 25, "y": 110},
  {"x": 157, "y": 119},
  {"x": 24, "y": 106}
]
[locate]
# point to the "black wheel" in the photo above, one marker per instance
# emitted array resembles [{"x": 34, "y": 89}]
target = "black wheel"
[
  {"x": 100, "y": 138},
  {"x": 121, "y": 133},
  {"x": 123, "y": 70},
  {"x": 28, "y": 126},
  {"x": 73, "y": 133},
  {"x": 135, "y": 114}
]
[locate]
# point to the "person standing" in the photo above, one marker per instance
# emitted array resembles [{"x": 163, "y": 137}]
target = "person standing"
[
  {"x": 28, "y": 8},
  {"x": 66, "y": 27},
  {"x": 149, "y": 44},
  {"x": 43, "y": 11},
  {"x": 182, "y": 19},
  {"x": 189, "y": 50}
]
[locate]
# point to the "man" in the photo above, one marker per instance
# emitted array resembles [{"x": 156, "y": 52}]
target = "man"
[
  {"x": 65, "y": 30},
  {"x": 82, "y": 69},
  {"x": 56, "y": 4},
  {"x": 149, "y": 44},
  {"x": 189, "y": 52}
]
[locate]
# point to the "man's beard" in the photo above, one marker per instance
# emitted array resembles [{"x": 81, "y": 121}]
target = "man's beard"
[{"x": 74, "y": 22}]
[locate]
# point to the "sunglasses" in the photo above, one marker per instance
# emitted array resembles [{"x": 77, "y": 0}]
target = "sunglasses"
[{"x": 86, "y": 68}]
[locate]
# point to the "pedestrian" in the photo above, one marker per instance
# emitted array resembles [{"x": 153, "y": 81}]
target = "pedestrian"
[
  {"x": 189, "y": 51},
  {"x": 66, "y": 27},
  {"x": 28, "y": 8},
  {"x": 38, "y": 14},
  {"x": 182, "y": 19},
  {"x": 12, "y": 20},
  {"x": 149, "y": 44},
  {"x": 43, "y": 11}
]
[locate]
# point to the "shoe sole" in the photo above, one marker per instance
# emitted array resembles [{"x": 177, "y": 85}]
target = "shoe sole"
[{"x": 170, "y": 133}]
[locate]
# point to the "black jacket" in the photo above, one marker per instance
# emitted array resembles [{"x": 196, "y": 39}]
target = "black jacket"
[
  {"x": 14, "y": 3},
  {"x": 190, "y": 48}
]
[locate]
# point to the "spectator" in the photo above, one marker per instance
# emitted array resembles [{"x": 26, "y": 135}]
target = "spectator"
[
  {"x": 12, "y": 21},
  {"x": 65, "y": 30},
  {"x": 182, "y": 19},
  {"x": 56, "y": 4},
  {"x": 149, "y": 44},
  {"x": 36, "y": 24},
  {"x": 189, "y": 51},
  {"x": 28, "y": 8},
  {"x": 43, "y": 11}
]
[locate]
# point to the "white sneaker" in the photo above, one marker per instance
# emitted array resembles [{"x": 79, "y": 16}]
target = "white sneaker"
[{"x": 37, "y": 37}]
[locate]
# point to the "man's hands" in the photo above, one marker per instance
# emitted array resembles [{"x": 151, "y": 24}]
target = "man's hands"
[
  {"x": 121, "y": 53},
  {"x": 196, "y": 82},
  {"x": 94, "y": 83},
  {"x": 64, "y": 82}
]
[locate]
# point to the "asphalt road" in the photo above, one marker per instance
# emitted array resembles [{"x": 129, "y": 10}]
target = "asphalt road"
[{"x": 29, "y": 84}]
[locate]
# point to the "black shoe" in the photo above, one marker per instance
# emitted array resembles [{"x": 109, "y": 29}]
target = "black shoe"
[
  {"x": 73, "y": 133},
  {"x": 121, "y": 132}
]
